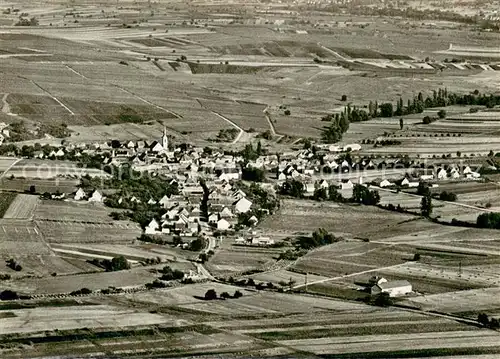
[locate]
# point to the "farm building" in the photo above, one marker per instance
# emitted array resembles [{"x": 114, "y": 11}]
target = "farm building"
[{"x": 395, "y": 288}]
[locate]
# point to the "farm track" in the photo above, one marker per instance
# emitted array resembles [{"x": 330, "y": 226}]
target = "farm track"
[
  {"x": 76, "y": 72},
  {"x": 54, "y": 98},
  {"x": 9, "y": 168},
  {"x": 458, "y": 204},
  {"x": 330, "y": 279},
  {"x": 232, "y": 123},
  {"x": 156, "y": 106}
]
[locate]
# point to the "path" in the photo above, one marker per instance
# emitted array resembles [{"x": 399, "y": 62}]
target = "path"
[
  {"x": 333, "y": 52},
  {"x": 271, "y": 125},
  {"x": 149, "y": 102},
  {"x": 8, "y": 168},
  {"x": 76, "y": 72},
  {"x": 242, "y": 131},
  {"x": 53, "y": 97},
  {"x": 6, "y": 106},
  {"x": 348, "y": 275}
]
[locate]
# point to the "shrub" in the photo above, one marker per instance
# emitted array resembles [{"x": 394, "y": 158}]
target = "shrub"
[
  {"x": 8, "y": 295},
  {"x": 211, "y": 294},
  {"x": 343, "y": 98},
  {"x": 441, "y": 114},
  {"x": 237, "y": 294}
]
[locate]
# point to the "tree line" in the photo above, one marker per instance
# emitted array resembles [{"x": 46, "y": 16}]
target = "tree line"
[{"x": 440, "y": 98}]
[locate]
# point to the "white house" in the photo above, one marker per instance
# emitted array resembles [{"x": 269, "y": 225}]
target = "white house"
[
  {"x": 352, "y": 147},
  {"x": 395, "y": 288},
  {"x": 385, "y": 183},
  {"x": 223, "y": 225},
  {"x": 80, "y": 194},
  {"x": 152, "y": 227},
  {"x": 165, "y": 202},
  {"x": 442, "y": 174},
  {"x": 96, "y": 197},
  {"x": 427, "y": 177},
  {"x": 309, "y": 188},
  {"x": 346, "y": 185},
  {"x": 242, "y": 205},
  {"x": 213, "y": 218}
]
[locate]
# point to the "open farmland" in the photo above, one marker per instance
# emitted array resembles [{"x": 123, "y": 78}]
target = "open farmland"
[
  {"x": 73, "y": 211},
  {"x": 63, "y": 185},
  {"x": 93, "y": 281},
  {"x": 39, "y": 169},
  {"x": 119, "y": 74},
  {"x": 6, "y": 200},
  {"x": 307, "y": 216},
  {"x": 79, "y": 232},
  {"x": 23, "y": 206},
  {"x": 65, "y": 318}
]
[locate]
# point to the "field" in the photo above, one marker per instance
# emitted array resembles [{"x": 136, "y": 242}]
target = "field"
[
  {"x": 22, "y": 207},
  {"x": 66, "y": 318},
  {"x": 39, "y": 169},
  {"x": 6, "y": 199},
  {"x": 128, "y": 70},
  {"x": 307, "y": 216},
  {"x": 64, "y": 185}
]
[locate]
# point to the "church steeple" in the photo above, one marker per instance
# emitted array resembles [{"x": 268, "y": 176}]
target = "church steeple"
[{"x": 164, "y": 139}]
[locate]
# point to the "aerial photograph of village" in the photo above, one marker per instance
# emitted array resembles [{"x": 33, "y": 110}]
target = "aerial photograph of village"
[{"x": 250, "y": 179}]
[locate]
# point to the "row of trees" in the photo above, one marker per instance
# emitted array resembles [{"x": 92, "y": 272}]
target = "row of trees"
[{"x": 440, "y": 98}]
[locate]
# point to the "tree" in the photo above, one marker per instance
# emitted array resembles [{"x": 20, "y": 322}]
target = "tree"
[
  {"x": 8, "y": 295},
  {"x": 320, "y": 194},
  {"x": 334, "y": 194},
  {"x": 441, "y": 114},
  {"x": 416, "y": 257},
  {"x": 483, "y": 319},
  {"x": 225, "y": 295},
  {"x": 447, "y": 196},
  {"x": 253, "y": 174},
  {"x": 343, "y": 98},
  {"x": 292, "y": 188},
  {"x": 361, "y": 194},
  {"x": 237, "y": 294},
  {"x": 401, "y": 123},
  {"x": 287, "y": 112},
  {"x": 386, "y": 110},
  {"x": 119, "y": 263},
  {"x": 197, "y": 245},
  {"x": 423, "y": 189},
  {"x": 426, "y": 205},
  {"x": 211, "y": 294},
  {"x": 32, "y": 189},
  {"x": 488, "y": 220}
]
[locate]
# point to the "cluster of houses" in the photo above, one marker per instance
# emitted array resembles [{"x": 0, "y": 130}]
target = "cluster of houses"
[{"x": 183, "y": 212}]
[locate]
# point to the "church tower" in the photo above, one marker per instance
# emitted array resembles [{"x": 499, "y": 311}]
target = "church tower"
[{"x": 164, "y": 139}]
